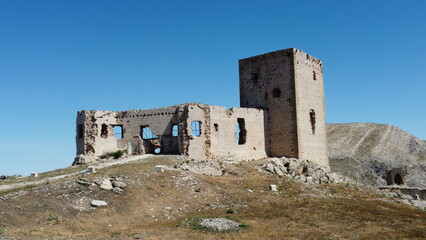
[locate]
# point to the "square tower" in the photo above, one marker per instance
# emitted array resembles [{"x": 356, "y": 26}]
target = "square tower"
[{"x": 289, "y": 84}]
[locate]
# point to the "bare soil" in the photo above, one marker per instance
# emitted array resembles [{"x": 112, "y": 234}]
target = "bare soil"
[{"x": 159, "y": 206}]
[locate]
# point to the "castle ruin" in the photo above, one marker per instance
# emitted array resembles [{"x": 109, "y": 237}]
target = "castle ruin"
[{"x": 281, "y": 113}]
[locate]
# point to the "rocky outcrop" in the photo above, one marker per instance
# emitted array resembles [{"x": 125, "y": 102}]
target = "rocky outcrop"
[
  {"x": 372, "y": 153},
  {"x": 304, "y": 171}
]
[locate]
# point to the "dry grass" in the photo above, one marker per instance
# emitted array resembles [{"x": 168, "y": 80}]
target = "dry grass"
[{"x": 296, "y": 211}]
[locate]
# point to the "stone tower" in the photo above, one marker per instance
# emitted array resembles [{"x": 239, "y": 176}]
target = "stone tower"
[{"x": 289, "y": 84}]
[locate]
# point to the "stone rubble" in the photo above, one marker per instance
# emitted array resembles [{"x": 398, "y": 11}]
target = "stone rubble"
[
  {"x": 106, "y": 184},
  {"x": 5, "y": 177},
  {"x": 304, "y": 171},
  {"x": 114, "y": 184}
]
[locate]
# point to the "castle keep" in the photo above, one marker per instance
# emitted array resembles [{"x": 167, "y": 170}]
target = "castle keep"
[{"x": 282, "y": 113}]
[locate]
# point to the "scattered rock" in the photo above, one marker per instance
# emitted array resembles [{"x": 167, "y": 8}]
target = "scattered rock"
[
  {"x": 118, "y": 184},
  {"x": 84, "y": 182},
  {"x": 91, "y": 169},
  {"x": 82, "y": 159},
  {"x": 416, "y": 197},
  {"x": 160, "y": 168},
  {"x": 300, "y": 170},
  {"x": 309, "y": 180},
  {"x": 4, "y": 177},
  {"x": 220, "y": 224},
  {"x": 269, "y": 167},
  {"x": 106, "y": 184},
  {"x": 98, "y": 203},
  {"x": 98, "y": 181},
  {"x": 118, "y": 190},
  {"x": 273, "y": 188},
  {"x": 140, "y": 236}
]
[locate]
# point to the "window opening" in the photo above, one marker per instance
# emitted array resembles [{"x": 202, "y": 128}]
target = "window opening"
[
  {"x": 104, "y": 131},
  {"x": 314, "y": 75},
  {"x": 118, "y": 131},
  {"x": 80, "y": 131},
  {"x": 196, "y": 128},
  {"x": 255, "y": 76},
  {"x": 312, "y": 119},
  {"x": 147, "y": 133},
  {"x": 241, "y": 132},
  {"x": 175, "y": 130},
  {"x": 216, "y": 127},
  {"x": 276, "y": 93}
]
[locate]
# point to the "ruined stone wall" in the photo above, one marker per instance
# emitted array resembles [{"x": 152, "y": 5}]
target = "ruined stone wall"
[
  {"x": 213, "y": 137},
  {"x": 98, "y": 131},
  {"x": 197, "y": 145},
  {"x": 251, "y": 136},
  {"x": 282, "y": 114},
  {"x": 310, "y": 109},
  {"x": 89, "y": 125},
  {"x": 267, "y": 81}
]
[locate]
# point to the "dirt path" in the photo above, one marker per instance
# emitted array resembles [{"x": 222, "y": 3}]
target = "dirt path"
[{"x": 101, "y": 165}]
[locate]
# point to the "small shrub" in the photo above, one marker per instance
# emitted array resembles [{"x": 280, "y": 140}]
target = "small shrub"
[
  {"x": 52, "y": 220},
  {"x": 118, "y": 154},
  {"x": 230, "y": 211}
]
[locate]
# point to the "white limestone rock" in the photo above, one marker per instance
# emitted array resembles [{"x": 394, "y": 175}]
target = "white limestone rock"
[
  {"x": 106, "y": 184},
  {"x": 273, "y": 187},
  {"x": 98, "y": 203}
]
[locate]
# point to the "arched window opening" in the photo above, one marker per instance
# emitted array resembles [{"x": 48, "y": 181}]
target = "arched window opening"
[{"x": 397, "y": 179}]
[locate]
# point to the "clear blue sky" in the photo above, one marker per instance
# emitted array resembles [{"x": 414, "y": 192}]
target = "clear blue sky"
[{"x": 58, "y": 57}]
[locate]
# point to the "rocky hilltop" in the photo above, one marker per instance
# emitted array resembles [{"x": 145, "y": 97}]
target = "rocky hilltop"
[{"x": 367, "y": 152}]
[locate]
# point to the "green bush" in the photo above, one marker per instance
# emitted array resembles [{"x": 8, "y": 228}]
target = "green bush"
[{"x": 118, "y": 154}]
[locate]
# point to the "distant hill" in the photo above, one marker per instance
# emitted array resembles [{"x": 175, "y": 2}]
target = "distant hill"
[{"x": 366, "y": 151}]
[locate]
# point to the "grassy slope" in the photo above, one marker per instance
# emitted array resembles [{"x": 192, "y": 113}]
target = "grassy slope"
[{"x": 61, "y": 209}]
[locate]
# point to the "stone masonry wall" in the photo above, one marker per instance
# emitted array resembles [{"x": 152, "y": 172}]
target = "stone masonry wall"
[
  {"x": 311, "y": 125},
  {"x": 289, "y": 85},
  {"x": 267, "y": 81},
  {"x": 216, "y": 139}
]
